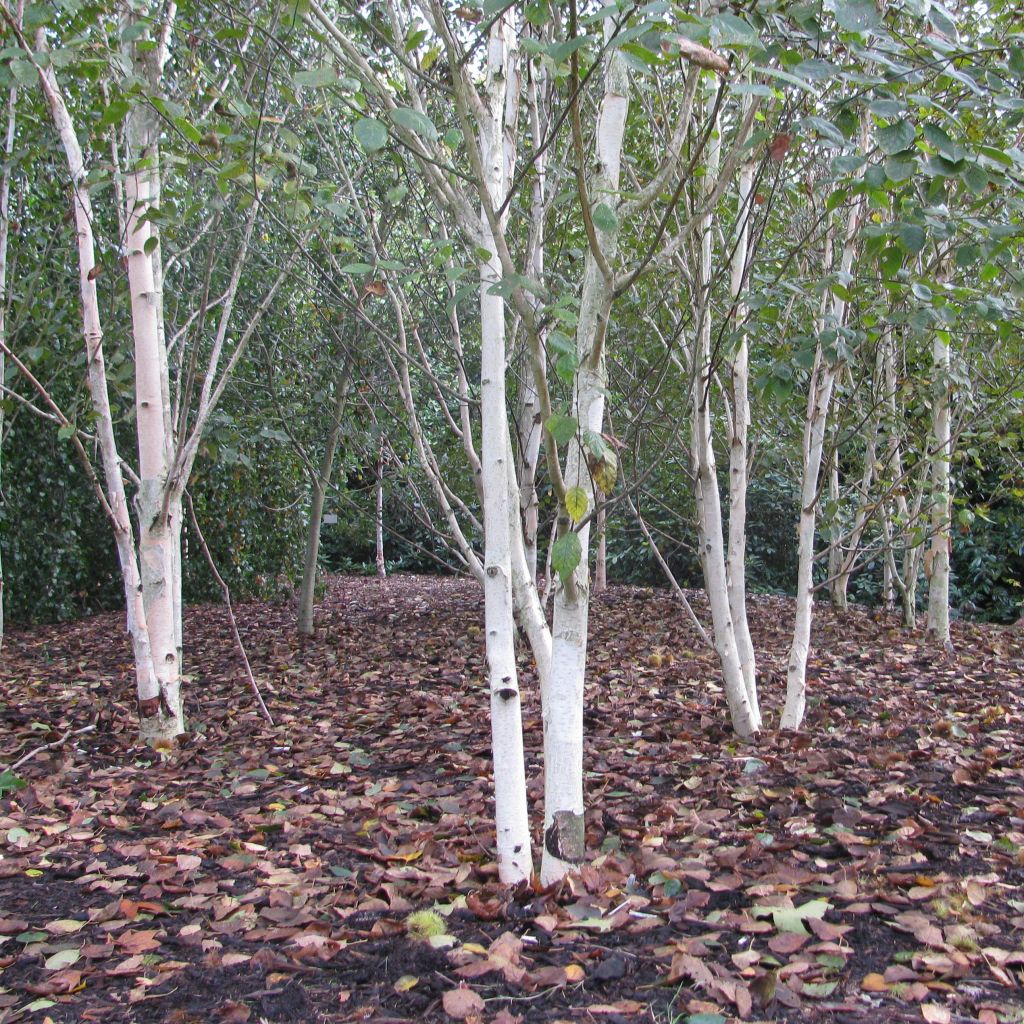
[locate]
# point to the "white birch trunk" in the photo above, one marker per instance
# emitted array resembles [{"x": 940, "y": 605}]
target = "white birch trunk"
[
  {"x": 739, "y": 424},
  {"x": 564, "y": 846},
  {"x": 823, "y": 378},
  {"x": 941, "y": 497},
  {"x": 710, "y": 534},
  {"x": 163, "y": 719},
  {"x": 378, "y": 514},
  {"x": 528, "y": 421},
  {"x": 307, "y": 589},
  {"x": 515, "y": 860},
  {"x": 147, "y": 683}
]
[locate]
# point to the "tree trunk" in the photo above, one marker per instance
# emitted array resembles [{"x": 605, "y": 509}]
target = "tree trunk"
[
  {"x": 941, "y": 497},
  {"x": 836, "y": 554},
  {"x": 116, "y": 504},
  {"x": 710, "y": 531},
  {"x": 163, "y": 719},
  {"x": 5, "y": 227},
  {"x": 562, "y": 692},
  {"x": 307, "y": 589},
  {"x": 515, "y": 860},
  {"x": 601, "y": 560},
  {"x": 739, "y": 425},
  {"x": 820, "y": 394},
  {"x": 378, "y": 514}
]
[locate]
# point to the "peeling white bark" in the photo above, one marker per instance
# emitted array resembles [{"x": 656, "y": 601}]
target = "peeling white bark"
[
  {"x": 823, "y": 378},
  {"x": 515, "y": 858},
  {"x": 941, "y": 496},
  {"x": 710, "y": 535},
  {"x": 563, "y": 693}
]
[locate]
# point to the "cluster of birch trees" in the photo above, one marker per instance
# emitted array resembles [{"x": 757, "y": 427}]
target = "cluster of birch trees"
[{"x": 546, "y": 252}]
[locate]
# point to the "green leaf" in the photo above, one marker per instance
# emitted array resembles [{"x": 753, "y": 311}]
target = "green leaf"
[
  {"x": 10, "y": 782},
  {"x": 894, "y": 138},
  {"x": 912, "y": 238},
  {"x": 791, "y": 919},
  {"x": 115, "y": 112},
  {"x": 560, "y": 52},
  {"x": 705, "y": 1018},
  {"x": 566, "y": 554},
  {"x": 975, "y": 178},
  {"x": 576, "y": 503},
  {"x": 605, "y": 218},
  {"x": 356, "y": 268},
  {"x": 561, "y": 428},
  {"x": 901, "y": 166},
  {"x": 414, "y": 121},
  {"x": 371, "y": 134},
  {"x": 856, "y": 15},
  {"x": 65, "y": 432},
  {"x": 61, "y": 959},
  {"x": 316, "y": 78},
  {"x": 939, "y": 138}
]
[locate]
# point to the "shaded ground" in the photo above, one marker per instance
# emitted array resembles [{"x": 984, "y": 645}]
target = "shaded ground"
[{"x": 868, "y": 870}]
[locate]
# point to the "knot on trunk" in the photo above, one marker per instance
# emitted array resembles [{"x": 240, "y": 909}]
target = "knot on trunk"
[{"x": 564, "y": 837}]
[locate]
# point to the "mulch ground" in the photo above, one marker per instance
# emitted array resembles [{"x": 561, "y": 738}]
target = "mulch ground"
[{"x": 868, "y": 869}]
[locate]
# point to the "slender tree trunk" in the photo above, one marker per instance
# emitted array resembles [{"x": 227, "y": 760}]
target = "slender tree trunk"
[
  {"x": 601, "y": 560},
  {"x": 307, "y": 589},
  {"x": 710, "y": 530},
  {"x": 528, "y": 421},
  {"x": 739, "y": 452},
  {"x": 562, "y": 694},
  {"x": 941, "y": 497},
  {"x": 823, "y": 378},
  {"x": 5, "y": 228},
  {"x": 820, "y": 394},
  {"x": 163, "y": 720},
  {"x": 116, "y": 504},
  {"x": 515, "y": 860},
  {"x": 378, "y": 514},
  {"x": 836, "y": 554}
]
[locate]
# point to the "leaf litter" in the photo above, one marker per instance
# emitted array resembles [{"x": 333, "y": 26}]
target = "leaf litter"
[{"x": 867, "y": 869}]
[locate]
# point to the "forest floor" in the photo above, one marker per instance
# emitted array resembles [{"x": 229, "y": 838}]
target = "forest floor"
[{"x": 868, "y": 870}]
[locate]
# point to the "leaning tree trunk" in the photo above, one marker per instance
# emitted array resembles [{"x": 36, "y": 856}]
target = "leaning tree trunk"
[
  {"x": 322, "y": 481},
  {"x": 739, "y": 452},
  {"x": 115, "y": 501},
  {"x": 823, "y": 377},
  {"x": 562, "y": 692},
  {"x": 941, "y": 508},
  {"x": 710, "y": 533},
  {"x": 515, "y": 860}
]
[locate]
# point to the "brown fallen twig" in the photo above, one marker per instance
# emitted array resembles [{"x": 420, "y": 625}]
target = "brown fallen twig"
[
  {"x": 51, "y": 746},
  {"x": 225, "y": 590}
]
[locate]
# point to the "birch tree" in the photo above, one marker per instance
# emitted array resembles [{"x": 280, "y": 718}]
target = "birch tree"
[{"x": 168, "y": 428}]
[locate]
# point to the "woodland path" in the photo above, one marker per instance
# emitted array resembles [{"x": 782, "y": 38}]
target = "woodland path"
[{"x": 869, "y": 869}]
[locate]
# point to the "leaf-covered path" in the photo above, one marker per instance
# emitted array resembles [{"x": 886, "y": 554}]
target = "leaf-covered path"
[{"x": 868, "y": 870}]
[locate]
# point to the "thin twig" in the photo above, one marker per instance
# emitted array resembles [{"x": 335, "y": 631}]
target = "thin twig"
[
  {"x": 50, "y": 746},
  {"x": 225, "y": 590}
]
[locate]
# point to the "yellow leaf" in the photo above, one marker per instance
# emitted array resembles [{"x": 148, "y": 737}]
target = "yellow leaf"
[
  {"x": 406, "y": 982},
  {"x": 576, "y": 503},
  {"x": 874, "y": 983},
  {"x": 574, "y": 973}
]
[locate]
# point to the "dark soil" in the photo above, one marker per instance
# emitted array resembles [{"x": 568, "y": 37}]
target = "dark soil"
[{"x": 868, "y": 869}]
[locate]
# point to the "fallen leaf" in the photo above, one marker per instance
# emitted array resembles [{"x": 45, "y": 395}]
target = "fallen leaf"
[{"x": 460, "y": 1003}]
